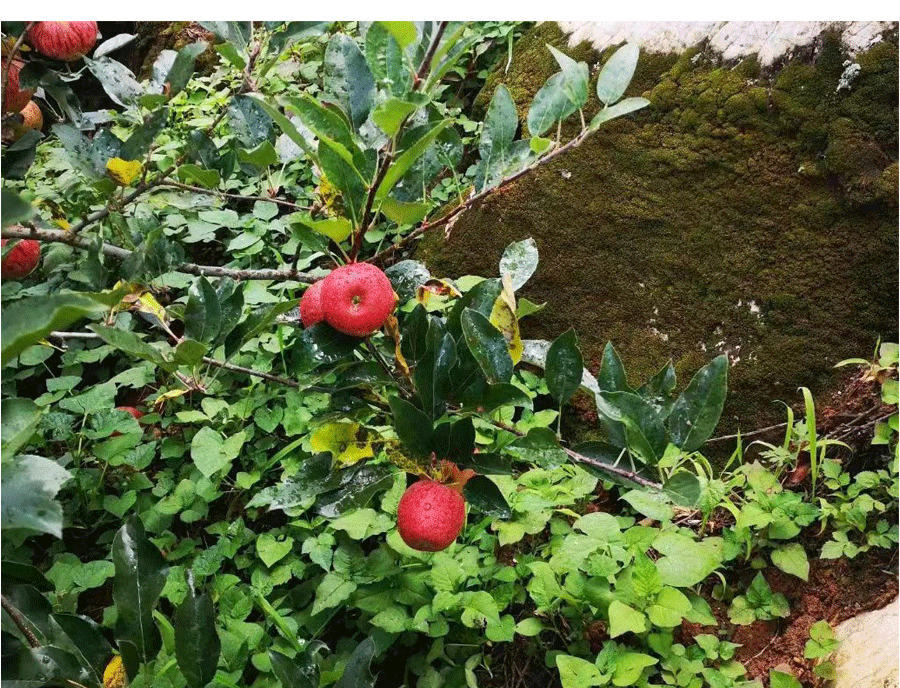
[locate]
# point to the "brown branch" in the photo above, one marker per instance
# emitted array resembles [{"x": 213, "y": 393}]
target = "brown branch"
[
  {"x": 20, "y": 622},
  {"x": 250, "y": 371},
  {"x": 63, "y": 237},
  {"x": 747, "y": 434},
  {"x": 237, "y": 197},
  {"x": 380, "y": 257},
  {"x": 432, "y": 49}
]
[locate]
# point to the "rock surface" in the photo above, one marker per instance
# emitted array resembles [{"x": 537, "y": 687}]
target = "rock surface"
[
  {"x": 768, "y": 40},
  {"x": 747, "y": 211},
  {"x": 868, "y": 654}
]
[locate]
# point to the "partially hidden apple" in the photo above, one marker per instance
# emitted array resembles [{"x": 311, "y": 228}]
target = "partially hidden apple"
[
  {"x": 14, "y": 99},
  {"x": 63, "y": 40},
  {"x": 21, "y": 260},
  {"x": 311, "y": 310}
]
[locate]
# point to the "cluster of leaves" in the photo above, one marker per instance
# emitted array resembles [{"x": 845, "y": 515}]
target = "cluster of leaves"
[{"x": 242, "y": 532}]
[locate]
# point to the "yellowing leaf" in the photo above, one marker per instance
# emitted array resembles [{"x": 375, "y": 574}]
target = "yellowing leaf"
[
  {"x": 114, "y": 674},
  {"x": 343, "y": 441},
  {"x": 123, "y": 172},
  {"x": 168, "y": 396},
  {"x": 335, "y": 228},
  {"x": 435, "y": 288},
  {"x": 393, "y": 330},
  {"x": 503, "y": 317}
]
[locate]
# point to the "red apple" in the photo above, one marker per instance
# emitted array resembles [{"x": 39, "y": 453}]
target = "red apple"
[{"x": 357, "y": 299}]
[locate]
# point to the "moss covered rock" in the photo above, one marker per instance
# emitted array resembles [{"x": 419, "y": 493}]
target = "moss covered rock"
[{"x": 748, "y": 211}]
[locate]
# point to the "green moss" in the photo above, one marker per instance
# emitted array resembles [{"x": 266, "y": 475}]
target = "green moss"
[{"x": 666, "y": 226}]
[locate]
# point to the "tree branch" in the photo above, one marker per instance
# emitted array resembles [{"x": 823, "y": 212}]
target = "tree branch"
[
  {"x": 237, "y": 197},
  {"x": 380, "y": 257},
  {"x": 250, "y": 371},
  {"x": 432, "y": 49},
  {"x": 20, "y": 622},
  {"x": 63, "y": 237}
]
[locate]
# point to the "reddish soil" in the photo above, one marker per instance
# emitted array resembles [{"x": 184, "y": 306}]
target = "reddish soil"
[{"x": 837, "y": 590}]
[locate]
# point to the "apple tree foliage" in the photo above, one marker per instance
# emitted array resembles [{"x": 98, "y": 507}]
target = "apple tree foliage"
[{"x": 242, "y": 532}]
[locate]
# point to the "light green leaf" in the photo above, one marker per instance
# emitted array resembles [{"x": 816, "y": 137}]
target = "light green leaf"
[
  {"x": 616, "y": 73},
  {"x": 624, "y": 619},
  {"x": 575, "y": 672},
  {"x": 272, "y": 549},
  {"x": 333, "y": 590},
  {"x": 792, "y": 559},
  {"x": 29, "y": 487}
]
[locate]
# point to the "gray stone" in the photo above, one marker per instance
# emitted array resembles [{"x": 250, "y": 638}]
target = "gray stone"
[{"x": 867, "y": 656}]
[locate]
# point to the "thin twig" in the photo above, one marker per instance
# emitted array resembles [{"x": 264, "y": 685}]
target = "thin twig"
[
  {"x": 721, "y": 438},
  {"x": 250, "y": 371},
  {"x": 20, "y": 622},
  {"x": 63, "y": 237},
  {"x": 237, "y": 197},
  {"x": 381, "y": 256},
  {"x": 432, "y": 49}
]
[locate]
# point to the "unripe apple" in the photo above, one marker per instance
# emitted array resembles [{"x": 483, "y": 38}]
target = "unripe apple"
[
  {"x": 430, "y": 515},
  {"x": 357, "y": 299}
]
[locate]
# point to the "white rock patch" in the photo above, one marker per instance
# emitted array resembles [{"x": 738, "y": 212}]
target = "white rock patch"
[
  {"x": 867, "y": 656},
  {"x": 733, "y": 39}
]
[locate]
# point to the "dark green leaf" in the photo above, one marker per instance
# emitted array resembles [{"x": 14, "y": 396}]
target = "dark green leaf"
[
  {"x": 414, "y": 334},
  {"x": 290, "y": 673},
  {"x": 576, "y": 77},
  {"x": 208, "y": 179},
  {"x": 492, "y": 397},
  {"x": 487, "y": 464},
  {"x": 197, "y": 645},
  {"x": 249, "y": 121},
  {"x": 203, "y": 314},
  {"x": 140, "y": 577},
  {"x": 413, "y": 427},
  {"x": 357, "y": 492},
  {"x": 29, "y": 320},
  {"x": 325, "y": 123},
  {"x": 619, "y": 406},
  {"x": 612, "y": 372},
  {"x": 234, "y": 32},
  {"x": 406, "y": 276},
  {"x": 605, "y": 454},
  {"x": 406, "y": 159},
  {"x": 462, "y": 439},
  {"x": 391, "y": 113},
  {"x": 482, "y": 494},
  {"x": 356, "y": 673},
  {"x": 294, "y": 31},
  {"x": 432, "y": 373},
  {"x": 616, "y": 73},
  {"x": 83, "y": 638},
  {"x": 697, "y": 411},
  {"x": 139, "y": 142},
  {"x": 286, "y": 126},
  {"x": 683, "y": 488},
  {"x": 183, "y": 67},
  {"x": 564, "y": 367},
  {"x": 487, "y": 345},
  {"x": 15, "y": 572},
  {"x": 539, "y": 447},
  {"x": 658, "y": 390},
  {"x": 190, "y": 352},
  {"x": 14, "y": 208},
  {"x": 321, "y": 344},
  {"x": 256, "y": 322},
  {"x": 497, "y": 136},
  {"x": 39, "y": 666},
  {"x": 20, "y": 418},
  {"x": 78, "y": 148},
  {"x": 231, "y": 53},
  {"x": 132, "y": 344},
  {"x": 346, "y": 178},
  {"x": 18, "y": 157},
  {"x": 117, "y": 80},
  {"x": 312, "y": 478},
  {"x": 347, "y": 79},
  {"x": 34, "y": 607}
]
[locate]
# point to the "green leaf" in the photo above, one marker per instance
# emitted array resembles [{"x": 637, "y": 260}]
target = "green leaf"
[
  {"x": 132, "y": 344},
  {"x": 14, "y": 209},
  {"x": 625, "y": 619},
  {"x": 262, "y": 155},
  {"x": 487, "y": 345},
  {"x": 612, "y": 372},
  {"x": 403, "y": 31},
  {"x": 15, "y": 572},
  {"x": 564, "y": 367},
  {"x": 347, "y": 78},
  {"x": 629, "y": 666},
  {"x": 404, "y": 213},
  {"x": 651, "y": 504},
  {"x": 231, "y": 53},
  {"x": 357, "y": 491},
  {"x": 208, "y": 179},
  {"x": 29, "y": 486},
  {"x": 616, "y": 73},
  {"x": 211, "y": 454},
  {"x": 249, "y": 121},
  {"x": 321, "y": 344},
  {"x": 29, "y": 320},
  {"x": 406, "y": 159},
  {"x": 331, "y": 591},
  {"x": 203, "y": 313},
  {"x": 356, "y": 673},
  {"x": 413, "y": 427},
  {"x": 190, "y": 352},
  {"x": 778, "y": 679},
  {"x": 624, "y": 107},
  {"x": 643, "y": 428},
  {"x": 20, "y": 418},
  {"x": 697, "y": 411},
  {"x": 271, "y": 549},
  {"x": 792, "y": 559},
  {"x": 182, "y": 68},
  {"x": 290, "y": 673},
  {"x": 540, "y": 447},
  {"x": 575, "y": 672},
  {"x": 387, "y": 60},
  {"x": 346, "y": 178},
  {"x": 519, "y": 261},
  {"x": 576, "y": 74},
  {"x": 550, "y": 105},
  {"x": 285, "y": 125},
  {"x": 391, "y": 113},
  {"x": 197, "y": 644},
  {"x": 683, "y": 489},
  {"x": 137, "y": 145},
  {"x": 497, "y": 137},
  {"x": 335, "y": 228},
  {"x": 117, "y": 80},
  {"x": 140, "y": 578},
  {"x": 483, "y": 495},
  {"x": 83, "y": 638},
  {"x": 686, "y": 562},
  {"x": 669, "y": 609}
]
